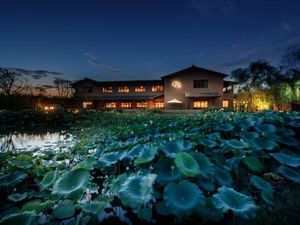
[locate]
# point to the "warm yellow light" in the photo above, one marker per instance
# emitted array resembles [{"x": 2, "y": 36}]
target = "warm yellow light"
[
  {"x": 176, "y": 84},
  {"x": 46, "y": 107}
]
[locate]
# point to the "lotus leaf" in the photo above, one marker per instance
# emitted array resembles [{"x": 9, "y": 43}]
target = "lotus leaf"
[
  {"x": 36, "y": 205},
  {"x": 290, "y": 174},
  {"x": 12, "y": 179},
  {"x": 72, "y": 184},
  {"x": 208, "y": 143},
  {"x": 223, "y": 177},
  {"x": 186, "y": 164},
  {"x": 265, "y": 188},
  {"x": 64, "y": 210},
  {"x": 49, "y": 179},
  {"x": 235, "y": 144},
  {"x": 205, "y": 166},
  {"x": 24, "y": 218},
  {"x": 171, "y": 148},
  {"x": 183, "y": 198},
  {"x": 166, "y": 171},
  {"x": 226, "y": 127},
  {"x": 147, "y": 154},
  {"x": 17, "y": 197},
  {"x": 287, "y": 158},
  {"x": 229, "y": 199},
  {"x": 110, "y": 158},
  {"x": 137, "y": 190},
  {"x": 95, "y": 207},
  {"x": 253, "y": 163},
  {"x": 22, "y": 161}
]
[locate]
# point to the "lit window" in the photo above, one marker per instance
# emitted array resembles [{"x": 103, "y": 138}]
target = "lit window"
[
  {"x": 200, "y": 104},
  {"x": 125, "y": 104},
  {"x": 225, "y": 103},
  {"x": 176, "y": 84},
  {"x": 141, "y": 104},
  {"x": 110, "y": 105},
  {"x": 87, "y": 105},
  {"x": 158, "y": 104},
  {"x": 157, "y": 88},
  {"x": 123, "y": 89},
  {"x": 107, "y": 89},
  {"x": 140, "y": 89},
  {"x": 200, "y": 83}
]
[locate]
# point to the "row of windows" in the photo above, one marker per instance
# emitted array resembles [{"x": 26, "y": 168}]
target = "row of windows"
[
  {"x": 124, "y": 89},
  {"x": 204, "y": 104},
  {"x": 112, "y": 105},
  {"x": 127, "y": 105}
]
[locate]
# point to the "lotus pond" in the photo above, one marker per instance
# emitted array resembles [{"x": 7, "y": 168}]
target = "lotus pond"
[{"x": 147, "y": 168}]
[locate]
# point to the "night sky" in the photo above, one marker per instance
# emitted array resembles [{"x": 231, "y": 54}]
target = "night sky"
[{"x": 141, "y": 39}]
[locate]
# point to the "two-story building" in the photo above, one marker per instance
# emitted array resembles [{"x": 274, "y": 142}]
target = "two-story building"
[{"x": 190, "y": 88}]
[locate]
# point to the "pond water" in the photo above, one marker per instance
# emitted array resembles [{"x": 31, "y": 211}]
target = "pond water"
[{"x": 50, "y": 140}]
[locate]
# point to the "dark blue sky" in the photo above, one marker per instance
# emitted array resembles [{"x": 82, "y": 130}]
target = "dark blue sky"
[{"x": 142, "y": 39}]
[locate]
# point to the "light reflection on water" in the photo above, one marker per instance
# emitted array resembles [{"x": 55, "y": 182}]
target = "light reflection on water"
[{"x": 29, "y": 142}]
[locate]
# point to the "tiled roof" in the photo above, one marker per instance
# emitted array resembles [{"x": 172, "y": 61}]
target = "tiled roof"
[{"x": 195, "y": 95}]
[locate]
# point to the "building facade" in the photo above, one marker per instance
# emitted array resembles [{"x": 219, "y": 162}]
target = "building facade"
[{"x": 190, "y": 88}]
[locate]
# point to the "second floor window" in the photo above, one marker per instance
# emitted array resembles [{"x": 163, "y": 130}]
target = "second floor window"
[
  {"x": 140, "y": 89},
  {"x": 157, "y": 88},
  {"x": 87, "y": 89},
  {"x": 107, "y": 89},
  {"x": 200, "y": 83},
  {"x": 123, "y": 89}
]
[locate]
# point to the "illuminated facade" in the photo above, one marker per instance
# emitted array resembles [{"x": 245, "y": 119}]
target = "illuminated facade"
[{"x": 191, "y": 88}]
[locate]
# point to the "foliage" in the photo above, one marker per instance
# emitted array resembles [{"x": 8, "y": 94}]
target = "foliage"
[{"x": 211, "y": 166}]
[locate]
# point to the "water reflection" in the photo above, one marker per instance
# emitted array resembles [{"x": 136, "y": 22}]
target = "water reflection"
[{"x": 16, "y": 142}]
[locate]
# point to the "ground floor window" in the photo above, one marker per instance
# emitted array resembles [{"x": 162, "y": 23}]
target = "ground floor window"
[
  {"x": 225, "y": 103},
  {"x": 87, "y": 105},
  {"x": 110, "y": 105},
  {"x": 125, "y": 104},
  {"x": 141, "y": 104},
  {"x": 158, "y": 104},
  {"x": 200, "y": 104}
]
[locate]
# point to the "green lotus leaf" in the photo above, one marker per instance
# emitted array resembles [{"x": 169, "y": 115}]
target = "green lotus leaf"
[
  {"x": 95, "y": 207},
  {"x": 247, "y": 136},
  {"x": 36, "y": 205},
  {"x": 287, "y": 140},
  {"x": 261, "y": 184},
  {"x": 208, "y": 143},
  {"x": 171, "y": 148},
  {"x": 134, "y": 152},
  {"x": 49, "y": 178},
  {"x": 247, "y": 123},
  {"x": 235, "y": 144},
  {"x": 223, "y": 177},
  {"x": 265, "y": 188},
  {"x": 266, "y": 129},
  {"x": 209, "y": 211},
  {"x": 12, "y": 179},
  {"x": 290, "y": 174},
  {"x": 72, "y": 184},
  {"x": 117, "y": 183},
  {"x": 252, "y": 163},
  {"x": 261, "y": 143},
  {"x": 24, "y": 218},
  {"x": 186, "y": 164},
  {"x": 226, "y": 127},
  {"x": 214, "y": 136},
  {"x": 229, "y": 199},
  {"x": 183, "y": 198},
  {"x": 88, "y": 163},
  {"x": 137, "y": 190},
  {"x": 64, "y": 210},
  {"x": 205, "y": 166},
  {"x": 166, "y": 171},
  {"x": 110, "y": 158},
  {"x": 147, "y": 154},
  {"x": 287, "y": 158},
  {"x": 207, "y": 184},
  {"x": 22, "y": 161},
  {"x": 17, "y": 197}
]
